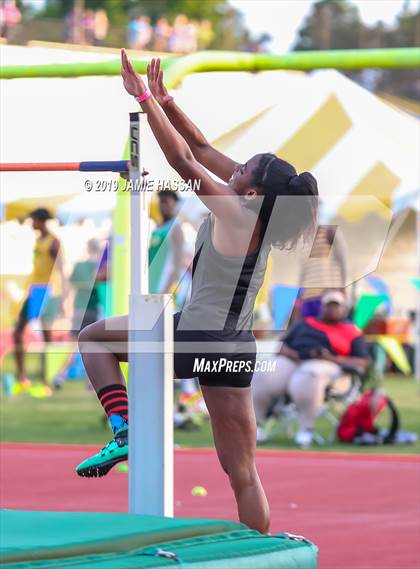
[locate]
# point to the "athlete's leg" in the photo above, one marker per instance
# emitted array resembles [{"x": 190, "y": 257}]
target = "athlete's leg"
[
  {"x": 47, "y": 317},
  {"x": 103, "y": 345},
  {"x": 19, "y": 352},
  {"x": 234, "y": 431},
  {"x": 46, "y": 333}
]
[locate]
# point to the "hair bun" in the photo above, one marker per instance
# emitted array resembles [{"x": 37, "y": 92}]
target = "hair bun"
[{"x": 304, "y": 184}]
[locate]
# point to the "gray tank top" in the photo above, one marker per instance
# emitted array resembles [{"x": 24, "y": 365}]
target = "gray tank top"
[{"x": 224, "y": 288}]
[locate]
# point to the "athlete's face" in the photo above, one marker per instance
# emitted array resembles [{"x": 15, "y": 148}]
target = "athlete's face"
[
  {"x": 167, "y": 207},
  {"x": 38, "y": 224},
  {"x": 242, "y": 178}
]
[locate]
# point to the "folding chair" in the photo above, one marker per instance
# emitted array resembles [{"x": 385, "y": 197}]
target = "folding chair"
[{"x": 282, "y": 417}]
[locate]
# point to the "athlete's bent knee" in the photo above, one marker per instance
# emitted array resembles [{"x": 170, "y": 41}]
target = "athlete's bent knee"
[{"x": 86, "y": 335}]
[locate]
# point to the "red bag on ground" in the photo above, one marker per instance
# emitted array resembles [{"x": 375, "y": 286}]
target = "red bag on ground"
[{"x": 359, "y": 417}]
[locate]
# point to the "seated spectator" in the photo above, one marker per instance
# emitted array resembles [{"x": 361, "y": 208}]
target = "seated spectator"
[{"x": 310, "y": 360}]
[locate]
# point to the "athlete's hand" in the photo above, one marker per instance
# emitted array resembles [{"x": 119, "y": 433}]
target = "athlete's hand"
[
  {"x": 133, "y": 83},
  {"x": 155, "y": 81}
]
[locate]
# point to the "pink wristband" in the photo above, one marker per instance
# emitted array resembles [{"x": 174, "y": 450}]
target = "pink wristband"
[{"x": 146, "y": 95}]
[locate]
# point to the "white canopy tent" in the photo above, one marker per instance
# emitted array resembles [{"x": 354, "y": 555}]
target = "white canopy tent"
[
  {"x": 351, "y": 140},
  {"x": 249, "y": 113}
]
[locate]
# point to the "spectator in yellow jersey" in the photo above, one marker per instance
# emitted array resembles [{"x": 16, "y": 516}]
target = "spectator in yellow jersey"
[{"x": 45, "y": 291}]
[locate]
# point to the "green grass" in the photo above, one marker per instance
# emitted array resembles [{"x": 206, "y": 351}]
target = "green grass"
[{"x": 73, "y": 415}]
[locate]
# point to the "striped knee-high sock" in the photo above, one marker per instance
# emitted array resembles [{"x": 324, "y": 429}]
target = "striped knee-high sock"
[{"x": 114, "y": 400}]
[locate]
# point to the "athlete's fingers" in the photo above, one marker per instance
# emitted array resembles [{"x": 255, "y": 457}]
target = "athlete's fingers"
[
  {"x": 128, "y": 65},
  {"x": 124, "y": 59},
  {"x": 160, "y": 80},
  {"x": 153, "y": 66},
  {"x": 122, "y": 62}
]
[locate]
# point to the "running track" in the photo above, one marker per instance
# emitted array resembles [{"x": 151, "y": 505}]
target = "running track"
[{"x": 363, "y": 511}]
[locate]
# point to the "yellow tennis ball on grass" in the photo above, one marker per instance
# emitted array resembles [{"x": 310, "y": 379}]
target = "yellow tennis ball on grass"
[{"x": 199, "y": 491}]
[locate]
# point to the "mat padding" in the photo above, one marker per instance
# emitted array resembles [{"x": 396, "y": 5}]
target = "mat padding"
[
  {"x": 26, "y": 535},
  {"x": 107, "y": 541}
]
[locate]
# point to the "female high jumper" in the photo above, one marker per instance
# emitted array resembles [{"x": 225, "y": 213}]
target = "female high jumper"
[{"x": 263, "y": 203}]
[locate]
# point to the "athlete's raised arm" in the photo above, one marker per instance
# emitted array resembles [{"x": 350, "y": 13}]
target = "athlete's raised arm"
[
  {"x": 209, "y": 157},
  {"x": 179, "y": 154}
]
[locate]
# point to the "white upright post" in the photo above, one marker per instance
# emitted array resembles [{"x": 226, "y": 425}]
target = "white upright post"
[
  {"x": 150, "y": 385},
  {"x": 417, "y": 310}
]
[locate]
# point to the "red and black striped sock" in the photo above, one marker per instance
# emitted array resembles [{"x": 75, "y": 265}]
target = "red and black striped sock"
[{"x": 114, "y": 400}]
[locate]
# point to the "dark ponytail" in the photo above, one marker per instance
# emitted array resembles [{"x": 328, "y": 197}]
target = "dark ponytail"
[
  {"x": 288, "y": 204},
  {"x": 303, "y": 184}
]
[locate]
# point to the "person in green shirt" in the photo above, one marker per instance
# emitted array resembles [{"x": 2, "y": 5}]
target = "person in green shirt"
[
  {"x": 166, "y": 247},
  {"x": 83, "y": 279},
  {"x": 85, "y": 304}
]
